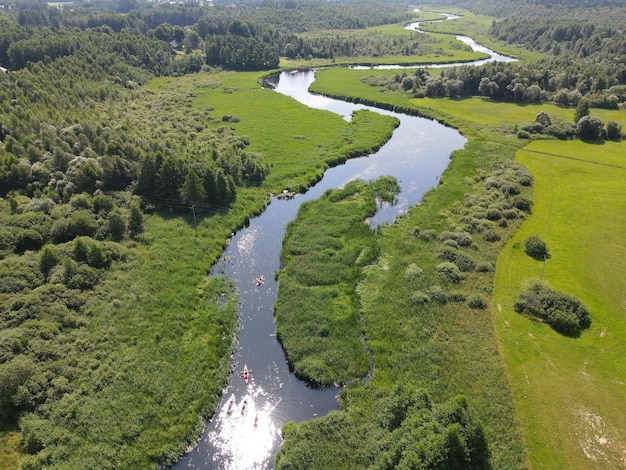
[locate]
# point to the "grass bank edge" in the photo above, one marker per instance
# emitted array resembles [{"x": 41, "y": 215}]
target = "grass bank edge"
[{"x": 481, "y": 153}]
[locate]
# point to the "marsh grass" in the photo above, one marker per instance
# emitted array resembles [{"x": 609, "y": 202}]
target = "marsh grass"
[
  {"x": 569, "y": 391},
  {"x": 317, "y": 311},
  {"x": 298, "y": 142},
  {"x": 155, "y": 353},
  {"x": 156, "y": 349}
]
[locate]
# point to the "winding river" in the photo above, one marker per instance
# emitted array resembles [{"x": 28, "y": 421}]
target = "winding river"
[{"x": 244, "y": 433}]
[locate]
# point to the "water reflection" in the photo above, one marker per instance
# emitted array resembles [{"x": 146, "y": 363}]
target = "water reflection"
[{"x": 245, "y": 431}]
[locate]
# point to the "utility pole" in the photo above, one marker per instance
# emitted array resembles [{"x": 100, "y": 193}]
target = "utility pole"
[{"x": 545, "y": 260}]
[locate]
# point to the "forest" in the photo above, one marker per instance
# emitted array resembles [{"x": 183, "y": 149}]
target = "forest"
[{"x": 94, "y": 148}]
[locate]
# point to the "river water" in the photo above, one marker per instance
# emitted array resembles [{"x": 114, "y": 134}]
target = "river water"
[{"x": 244, "y": 433}]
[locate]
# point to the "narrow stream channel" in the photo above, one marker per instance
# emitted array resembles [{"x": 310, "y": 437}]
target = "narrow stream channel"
[{"x": 244, "y": 433}]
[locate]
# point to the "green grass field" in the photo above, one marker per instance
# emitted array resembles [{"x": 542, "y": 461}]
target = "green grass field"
[
  {"x": 569, "y": 392},
  {"x": 298, "y": 142}
]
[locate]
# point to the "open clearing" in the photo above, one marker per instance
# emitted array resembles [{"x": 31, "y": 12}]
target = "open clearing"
[{"x": 570, "y": 392}]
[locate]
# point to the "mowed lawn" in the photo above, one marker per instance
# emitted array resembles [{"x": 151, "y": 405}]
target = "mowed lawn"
[{"x": 570, "y": 393}]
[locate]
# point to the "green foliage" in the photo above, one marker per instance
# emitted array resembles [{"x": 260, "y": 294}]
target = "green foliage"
[
  {"x": 135, "y": 222},
  {"x": 565, "y": 313},
  {"x": 589, "y": 127},
  {"x": 317, "y": 318},
  {"x": 413, "y": 272},
  {"x": 535, "y": 247},
  {"x": 192, "y": 190},
  {"x": 462, "y": 260},
  {"x": 476, "y": 301},
  {"x": 82, "y": 223},
  {"x": 49, "y": 258},
  {"x": 408, "y": 431},
  {"x": 491, "y": 235},
  {"x": 582, "y": 109},
  {"x": 117, "y": 226},
  {"x": 449, "y": 273},
  {"x": 613, "y": 130},
  {"x": 236, "y": 52}
]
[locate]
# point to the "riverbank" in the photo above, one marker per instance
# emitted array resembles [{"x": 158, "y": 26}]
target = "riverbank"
[
  {"x": 489, "y": 146},
  {"x": 422, "y": 329}
]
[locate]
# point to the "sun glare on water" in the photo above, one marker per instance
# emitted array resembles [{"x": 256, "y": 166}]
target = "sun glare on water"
[{"x": 247, "y": 432}]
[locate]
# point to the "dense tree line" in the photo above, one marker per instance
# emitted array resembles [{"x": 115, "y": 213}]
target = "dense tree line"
[
  {"x": 519, "y": 9},
  {"x": 237, "y": 52}
]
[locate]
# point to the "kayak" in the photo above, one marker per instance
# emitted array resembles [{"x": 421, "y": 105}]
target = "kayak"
[{"x": 245, "y": 374}]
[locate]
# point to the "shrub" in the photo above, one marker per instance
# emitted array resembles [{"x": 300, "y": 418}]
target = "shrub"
[
  {"x": 463, "y": 261},
  {"x": 451, "y": 244},
  {"x": 117, "y": 226},
  {"x": 476, "y": 301},
  {"x": 561, "y": 130},
  {"x": 492, "y": 183},
  {"x": 413, "y": 271},
  {"x": 535, "y": 247},
  {"x": 97, "y": 256},
  {"x": 494, "y": 214},
  {"x": 103, "y": 203},
  {"x": 81, "y": 201},
  {"x": 564, "y": 313},
  {"x": 28, "y": 239},
  {"x": 82, "y": 223},
  {"x": 510, "y": 214},
  {"x": 81, "y": 249},
  {"x": 135, "y": 222},
  {"x": 419, "y": 297},
  {"x": 511, "y": 188},
  {"x": 428, "y": 235},
  {"x": 462, "y": 238},
  {"x": 485, "y": 267},
  {"x": 449, "y": 272},
  {"x": 523, "y": 203},
  {"x": 48, "y": 258},
  {"x": 613, "y": 130},
  {"x": 80, "y": 276},
  {"x": 491, "y": 235},
  {"x": 484, "y": 225},
  {"x": 456, "y": 296},
  {"x": 437, "y": 294},
  {"x": 564, "y": 322}
]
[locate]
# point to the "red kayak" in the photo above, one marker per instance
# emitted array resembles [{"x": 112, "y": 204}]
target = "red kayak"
[{"x": 245, "y": 374}]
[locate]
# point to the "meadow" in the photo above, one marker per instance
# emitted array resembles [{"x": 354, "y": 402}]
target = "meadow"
[
  {"x": 299, "y": 152},
  {"x": 569, "y": 392}
]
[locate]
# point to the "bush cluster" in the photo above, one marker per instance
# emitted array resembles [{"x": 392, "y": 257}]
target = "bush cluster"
[
  {"x": 535, "y": 247},
  {"x": 564, "y": 313}
]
